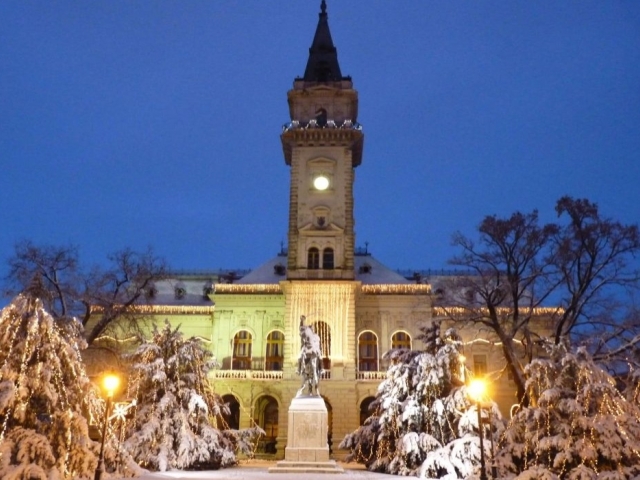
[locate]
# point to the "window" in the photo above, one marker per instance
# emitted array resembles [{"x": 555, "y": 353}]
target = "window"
[
  {"x": 274, "y": 357},
  {"x": 313, "y": 259},
  {"x": 368, "y": 352},
  {"x": 324, "y": 332},
  {"x": 479, "y": 365},
  {"x": 327, "y": 259},
  {"x": 241, "y": 351},
  {"x": 401, "y": 340}
]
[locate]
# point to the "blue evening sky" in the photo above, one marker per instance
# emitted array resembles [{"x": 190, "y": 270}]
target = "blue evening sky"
[{"x": 136, "y": 123}]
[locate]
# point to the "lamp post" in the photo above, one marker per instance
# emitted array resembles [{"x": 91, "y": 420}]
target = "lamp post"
[
  {"x": 494, "y": 468},
  {"x": 477, "y": 389},
  {"x": 110, "y": 384}
]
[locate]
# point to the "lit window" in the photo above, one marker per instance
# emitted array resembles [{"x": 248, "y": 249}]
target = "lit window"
[
  {"x": 368, "y": 352},
  {"x": 401, "y": 340},
  {"x": 479, "y": 365},
  {"x": 242, "y": 351},
  {"x": 274, "y": 357}
]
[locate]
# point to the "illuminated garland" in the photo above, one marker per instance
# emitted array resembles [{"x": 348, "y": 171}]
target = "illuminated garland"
[
  {"x": 465, "y": 311},
  {"x": 396, "y": 289},
  {"x": 162, "y": 309},
  {"x": 239, "y": 288}
]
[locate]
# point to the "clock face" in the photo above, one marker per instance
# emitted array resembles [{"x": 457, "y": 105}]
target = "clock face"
[{"x": 320, "y": 182}]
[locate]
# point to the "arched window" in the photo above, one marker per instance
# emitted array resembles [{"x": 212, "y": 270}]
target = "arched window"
[
  {"x": 324, "y": 332},
  {"x": 401, "y": 340},
  {"x": 274, "y": 356},
  {"x": 368, "y": 352},
  {"x": 313, "y": 259},
  {"x": 365, "y": 409},
  {"x": 327, "y": 259},
  {"x": 241, "y": 351}
]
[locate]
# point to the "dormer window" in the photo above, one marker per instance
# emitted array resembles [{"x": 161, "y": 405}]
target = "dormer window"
[
  {"x": 206, "y": 291},
  {"x": 279, "y": 269},
  {"x": 365, "y": 268},
  {"x": 180, "y": 292}
]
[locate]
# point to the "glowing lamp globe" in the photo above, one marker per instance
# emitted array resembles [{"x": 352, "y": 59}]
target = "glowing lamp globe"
[
  {"x": 321, "y": 182},
  {"x": 110, "y": 384},
  {"x": 477, "y": 389}
]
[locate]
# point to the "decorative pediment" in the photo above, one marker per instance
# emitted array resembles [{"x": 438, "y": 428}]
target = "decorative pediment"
[{"x": 311, "y": 229}]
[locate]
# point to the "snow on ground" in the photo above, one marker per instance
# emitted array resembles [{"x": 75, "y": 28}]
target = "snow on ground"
[{"x": 260, "y": 470}]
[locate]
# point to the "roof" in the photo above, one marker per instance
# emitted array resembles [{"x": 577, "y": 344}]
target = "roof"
[
  {"x": 322, "y": 65},
  {"x": 368, "y": 270}
]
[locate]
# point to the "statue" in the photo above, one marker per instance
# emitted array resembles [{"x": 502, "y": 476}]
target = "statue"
[{"x": 309, "y": 361}]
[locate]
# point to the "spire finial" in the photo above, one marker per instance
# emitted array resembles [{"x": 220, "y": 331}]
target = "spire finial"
[{"x": 323, "y": 8}]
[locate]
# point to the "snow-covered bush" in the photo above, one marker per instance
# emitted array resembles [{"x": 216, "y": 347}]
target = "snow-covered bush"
[
  {"x": 173, "y": 424},
  {"x": 422, "y": 421},
  {"x": 579, "y": 425}
]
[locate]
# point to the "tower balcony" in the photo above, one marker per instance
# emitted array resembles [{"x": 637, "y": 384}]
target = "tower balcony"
[
  {"x": 322, "y": 124},
  {"x": 319, "y": 132}
]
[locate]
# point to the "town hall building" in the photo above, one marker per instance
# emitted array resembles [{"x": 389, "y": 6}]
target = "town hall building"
[{"x": 359, "y": 307}]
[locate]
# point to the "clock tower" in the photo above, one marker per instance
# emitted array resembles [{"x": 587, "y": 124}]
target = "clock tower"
[{"x": 323, "y": 145}]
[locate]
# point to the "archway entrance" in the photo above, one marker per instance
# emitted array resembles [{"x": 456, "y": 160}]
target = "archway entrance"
[
  {"x": 364, "y": 409},
  {"x": 267, "y": 418},
  {"x": 231, "y": 419}
]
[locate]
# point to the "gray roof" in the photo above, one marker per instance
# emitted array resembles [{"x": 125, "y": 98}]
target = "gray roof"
[{"x": 368, "y": 270}]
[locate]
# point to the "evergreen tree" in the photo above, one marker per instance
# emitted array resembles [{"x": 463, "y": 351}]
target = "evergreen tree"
[
  {"x": 45, "y": 396},
  {"x": 173, "y": 426},
  {"x": 579, "y": 425},
  {"x": 422, "y": 422}
]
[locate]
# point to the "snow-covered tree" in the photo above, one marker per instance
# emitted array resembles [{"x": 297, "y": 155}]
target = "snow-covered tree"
[
  {"x": 578, "y": 426},
  {"x": 422, "y": 421},
  {"x": 45, "y": 397},
  {"x": 174, "y": 420}
]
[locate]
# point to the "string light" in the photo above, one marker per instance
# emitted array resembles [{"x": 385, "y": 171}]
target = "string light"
[{"x": 392, "y": 289}]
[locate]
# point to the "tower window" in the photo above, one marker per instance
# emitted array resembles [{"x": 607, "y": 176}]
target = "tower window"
[
  {"x": 313, "y": 259},
  {"x": 327, "y": 259}
]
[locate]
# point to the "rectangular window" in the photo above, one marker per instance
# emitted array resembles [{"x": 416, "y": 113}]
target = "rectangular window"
[{"x": 479, "y": 365}]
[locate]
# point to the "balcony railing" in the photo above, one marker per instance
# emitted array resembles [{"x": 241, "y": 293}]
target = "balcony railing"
[
  {"x": 277, "y": 375},
  {"x": 345, "y": 125},
  {"x": 247, "y": 374},
  {"x": 371, "y": 375}
]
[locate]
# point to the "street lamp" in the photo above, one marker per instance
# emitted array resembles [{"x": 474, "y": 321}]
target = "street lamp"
[
  {"x": 110, "y": 384},
  {"x": 477, "y": 390}
]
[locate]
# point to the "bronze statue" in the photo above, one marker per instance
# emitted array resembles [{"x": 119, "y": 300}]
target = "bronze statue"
[{"x": 309, "y": 361}]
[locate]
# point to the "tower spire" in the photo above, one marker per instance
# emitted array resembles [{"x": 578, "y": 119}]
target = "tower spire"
[{"x": 322, "y": 65}]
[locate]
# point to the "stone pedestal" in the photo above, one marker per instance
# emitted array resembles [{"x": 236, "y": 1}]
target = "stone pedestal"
[{"x": 307, "y": 449}]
